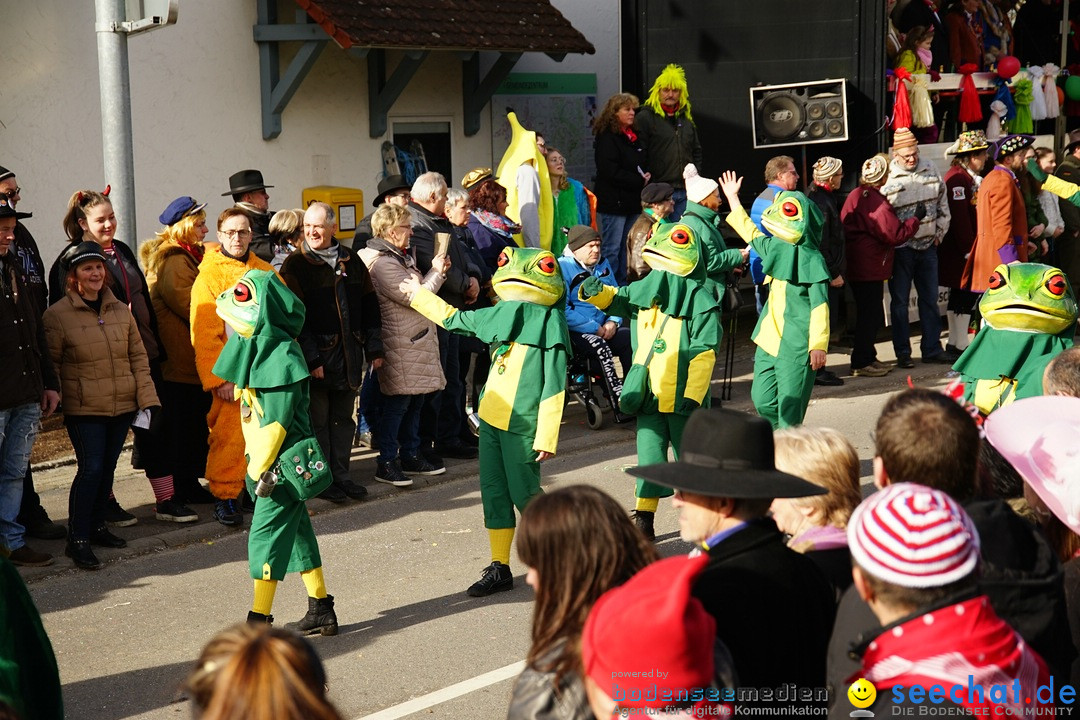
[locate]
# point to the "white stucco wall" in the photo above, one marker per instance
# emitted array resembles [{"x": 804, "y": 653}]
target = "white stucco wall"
[{"x": 196, "y": 109}]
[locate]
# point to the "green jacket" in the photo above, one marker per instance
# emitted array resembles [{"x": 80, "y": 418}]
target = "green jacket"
[{"x": 719, "y": 261}]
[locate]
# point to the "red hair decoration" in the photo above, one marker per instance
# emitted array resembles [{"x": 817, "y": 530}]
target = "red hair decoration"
[
  {"x": 901, "y": 104},
  {"x": 79, "y": 197},
  {"x": 107, "y": 190},
  {"x": 970, "y": 110}
]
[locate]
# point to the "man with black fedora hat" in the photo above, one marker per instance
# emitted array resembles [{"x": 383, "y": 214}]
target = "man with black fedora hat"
[
  {"x": 773, "y": 606},
  {"x": 249, "y": 193},
  {"x": 393, "y": 190}
]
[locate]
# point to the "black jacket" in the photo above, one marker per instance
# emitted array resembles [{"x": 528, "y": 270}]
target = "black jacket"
[
  {"x": 618, "y": 183},
  {"x": 773, "y": 608},
  {"x": 342, "y": 324},
  {"x": 425, "y": 224},
  {"x": 32, "y": 268},
  {"x": 260, "y": 232},
  {"x": 24, "y": 353},
  {"x": 1020, "y": 575},
  {"x": 670, "y": 142},
  {"x": 832, "y": 230}
]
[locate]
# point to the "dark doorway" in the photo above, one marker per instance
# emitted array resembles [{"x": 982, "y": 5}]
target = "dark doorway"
[{"x": 433, "y": 138}]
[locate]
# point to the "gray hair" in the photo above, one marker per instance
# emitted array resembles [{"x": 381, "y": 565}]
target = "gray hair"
[
  {"x": 330, "y": 216},
  {"x": 428, "y": 186},
  {"x": 455, "y": 197}
]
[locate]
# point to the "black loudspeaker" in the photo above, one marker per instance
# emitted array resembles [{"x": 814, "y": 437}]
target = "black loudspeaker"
[{"x": 799, "y": 113}]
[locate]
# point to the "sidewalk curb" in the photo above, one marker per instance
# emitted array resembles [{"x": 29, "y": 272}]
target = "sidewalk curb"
[{"x": 172, "y": 536}]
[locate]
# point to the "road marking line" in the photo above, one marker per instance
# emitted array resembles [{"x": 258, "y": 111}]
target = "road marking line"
[{"x": 447, "y": 693}]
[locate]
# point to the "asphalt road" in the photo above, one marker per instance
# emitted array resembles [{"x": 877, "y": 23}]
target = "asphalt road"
[{"x": 411, "y": 643}]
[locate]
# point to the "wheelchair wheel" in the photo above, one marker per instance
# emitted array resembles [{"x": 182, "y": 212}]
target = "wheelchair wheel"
[{"x": 594, "y": 414}]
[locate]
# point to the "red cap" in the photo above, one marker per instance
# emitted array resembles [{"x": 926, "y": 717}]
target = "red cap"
[{"x": 649, "y": 639}]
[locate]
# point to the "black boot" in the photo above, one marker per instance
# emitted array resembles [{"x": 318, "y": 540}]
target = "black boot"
[
  {"x": 643, "y": 519},
  {"x": 79, "y": 551},
  {"x": 255, "y": 618},
  {"x": 320, "y": 618},
  {"x": 496, "y": 577}
]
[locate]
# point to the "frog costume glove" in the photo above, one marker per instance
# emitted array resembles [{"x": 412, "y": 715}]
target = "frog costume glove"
[
  {"x": 1029, "y": 316},
  {"x": 522, "y": 402},
  {"x": 267, "y": 366}
]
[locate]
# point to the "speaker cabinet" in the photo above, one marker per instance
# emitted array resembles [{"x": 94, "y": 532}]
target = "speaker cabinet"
[{"x": 799, "y": 113}]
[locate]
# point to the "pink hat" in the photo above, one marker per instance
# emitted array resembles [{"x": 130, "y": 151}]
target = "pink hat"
[
  {"x": 1040, "y": 437},
  {"x": 913, "y": 536},
  {"x": 649, "y": 638}
]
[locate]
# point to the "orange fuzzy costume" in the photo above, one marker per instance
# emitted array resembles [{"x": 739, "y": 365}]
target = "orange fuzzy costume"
[
  {"x": 1002, "y": 229},
  {"x": 225, "y": 464}
]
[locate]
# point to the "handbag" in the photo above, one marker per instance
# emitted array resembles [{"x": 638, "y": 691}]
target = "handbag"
[
  {"x": 635, "y": 389},
  {"x": 304, "y": 469}
]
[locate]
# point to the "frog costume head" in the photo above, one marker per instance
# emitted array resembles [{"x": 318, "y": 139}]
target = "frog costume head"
[
  {"x": 797, "y": 221},
  {"x": 675, "y": 249},
  {"x": 793, "y": 218},
  {"x": 1029, "y": 298},
  {"x": 528, "y": 275},
  {"x": 266, "y": 317}
]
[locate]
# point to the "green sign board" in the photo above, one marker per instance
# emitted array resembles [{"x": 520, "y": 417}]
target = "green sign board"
[{"x": 548, "y": 84}]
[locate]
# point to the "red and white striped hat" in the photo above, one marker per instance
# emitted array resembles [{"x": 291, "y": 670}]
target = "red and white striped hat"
[{"x": 913, "y": 536}]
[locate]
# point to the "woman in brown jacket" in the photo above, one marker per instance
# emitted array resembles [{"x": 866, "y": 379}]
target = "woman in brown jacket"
[
  {"x": 411, "y": 367},
  {"x": 104, "y": 379}
]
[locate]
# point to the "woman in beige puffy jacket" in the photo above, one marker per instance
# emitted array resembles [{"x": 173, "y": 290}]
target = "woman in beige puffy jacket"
[
  {"x": 104, "y": 380},
  {"x": 411, "y": 367}
]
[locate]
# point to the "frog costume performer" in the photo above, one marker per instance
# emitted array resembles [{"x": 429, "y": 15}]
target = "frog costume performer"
[
  {"x": 1029, "y": 316},
  {"x": 675, "y": 332},
  {"x": 795, "y": 319},
  {"x": 521, "y": 404},
  {"x": 267, "y": 366}
]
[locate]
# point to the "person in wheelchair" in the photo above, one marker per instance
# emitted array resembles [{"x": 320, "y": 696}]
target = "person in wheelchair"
[{"x": 594, "y": 335}]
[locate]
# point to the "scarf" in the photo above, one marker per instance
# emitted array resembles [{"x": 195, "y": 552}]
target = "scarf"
[
  {"x": 925, "y": 57},
  {"x": 498, "y": 224},
  {"x": 827, "y": 537},
  {"x": 327, "y": 255},
  {"x": 195, "y": 251},
  {"x": 630, "y": 134},
  {"x": 946, "y": 645}
]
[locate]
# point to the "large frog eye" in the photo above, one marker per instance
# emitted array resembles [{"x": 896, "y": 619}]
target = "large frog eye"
[
  {"x": 1057, "y": 285},
  {"x": 547, "y": 265},
  {"x": 997, "y": 280},
  {"x": 680, "y": 237},
  {"x": 503, "y": 259},
  {"x": 790, "y": 209},
  {"x": 242, "y": 293}
]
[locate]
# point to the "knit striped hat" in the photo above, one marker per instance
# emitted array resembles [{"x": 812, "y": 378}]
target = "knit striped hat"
[
  {"x": 826, "y": 167},
  {"x": 913, "y": 536},
  {"x": 902, "y": 138}
]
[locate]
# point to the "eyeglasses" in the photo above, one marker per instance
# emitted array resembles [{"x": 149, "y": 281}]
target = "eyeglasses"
[
  {"x": 233, "y": 233},
  {"x": 12, "y": 193},
  {"x": 308, "y": 226}
]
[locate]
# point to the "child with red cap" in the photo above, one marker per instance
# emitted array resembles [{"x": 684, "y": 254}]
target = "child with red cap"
[{"x": 665, "y": 667}]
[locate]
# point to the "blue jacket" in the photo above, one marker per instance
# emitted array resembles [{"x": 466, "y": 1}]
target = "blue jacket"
[
  {"x": 761, "y": 204},
  {"x": 581, "y": 317}
]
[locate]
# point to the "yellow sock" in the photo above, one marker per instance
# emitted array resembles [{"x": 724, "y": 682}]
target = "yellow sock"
[
  {"x": 501, "y": 539},
  {"x": 313, "y": 581},
  {"x": 647, "y": 504},
  {"x": 264, "y": 596}
]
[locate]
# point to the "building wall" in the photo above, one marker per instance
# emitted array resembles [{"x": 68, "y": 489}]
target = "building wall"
[{"x": 196, "y": 110}]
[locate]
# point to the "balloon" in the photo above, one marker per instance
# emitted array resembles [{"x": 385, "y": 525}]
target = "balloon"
[
  {"x": 1007, "y": 67},
  {"x": 1072, "y": 87}
]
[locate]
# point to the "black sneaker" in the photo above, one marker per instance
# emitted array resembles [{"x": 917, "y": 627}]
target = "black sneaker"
[
  {"x": 643, "y": 520},
  {"x": 43, "y": 528},
  {"x": 354, "y": 490},
  {"x": 418, "y": 465},
  {"x": 227, "y": 512},
  {"x": 118, "y": 516},
  {"x": 942, "y": 358},
  {"x": 827, "y": 378},
  {"x": 905, "y": 361},
  {"x": 103, "y": 538},
  {"x": 172, "y": 511},
  {"x": 496, "y": 577},
  {"x": 255, "y": 618},
  {"x": 333, "y": 493},
  {"x": 81, "y": 553},
  {"x": 390, "y": 473},
  {"x": 195, "y": 495},
  {"x": 26, "y": 556}
]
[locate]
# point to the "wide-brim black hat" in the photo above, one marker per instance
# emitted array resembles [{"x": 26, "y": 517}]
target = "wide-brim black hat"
[
  {"x": 245, "y": 181},
  {"x": 389, "y": 184},
  {"x": 725, "y": 453}
]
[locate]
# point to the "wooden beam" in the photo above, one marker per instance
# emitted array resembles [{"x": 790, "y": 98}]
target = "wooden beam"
[
  {"x": 476, "y": 92},
  {"x": 383, "y": 92}
]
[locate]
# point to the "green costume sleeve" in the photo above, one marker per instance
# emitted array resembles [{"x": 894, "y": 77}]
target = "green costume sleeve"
[
  {"x": 1062, "y": 188},
  {"x": 443, "y": 314},
  {"x": 265, "y": 414}
]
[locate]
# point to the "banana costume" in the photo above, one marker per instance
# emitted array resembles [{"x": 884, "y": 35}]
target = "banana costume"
[{"x": 523, "y": 164}]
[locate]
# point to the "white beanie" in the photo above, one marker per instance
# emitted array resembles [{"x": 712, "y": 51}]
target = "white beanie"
[{"x": 697, "y": 187}]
